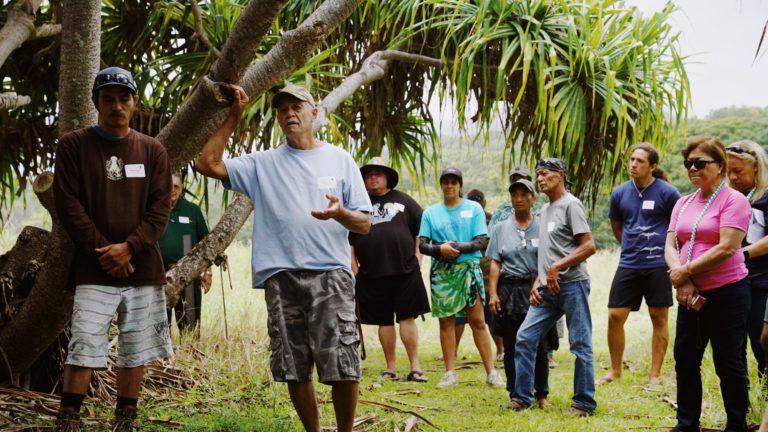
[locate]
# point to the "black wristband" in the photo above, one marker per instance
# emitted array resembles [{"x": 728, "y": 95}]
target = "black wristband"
[{"x": 746, "y": 254}]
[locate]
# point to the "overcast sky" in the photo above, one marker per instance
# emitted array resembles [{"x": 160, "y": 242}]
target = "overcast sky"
[{"x": 721, "y": 37}]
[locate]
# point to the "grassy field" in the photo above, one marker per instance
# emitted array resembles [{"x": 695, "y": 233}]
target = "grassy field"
[{"x": 234, "y": 392}]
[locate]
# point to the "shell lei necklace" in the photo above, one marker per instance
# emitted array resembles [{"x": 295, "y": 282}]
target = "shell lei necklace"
[
  {"x": 751, "y": 194},
  {"x": 640, "y": 192},
  {"x": 698, "y": 219}
]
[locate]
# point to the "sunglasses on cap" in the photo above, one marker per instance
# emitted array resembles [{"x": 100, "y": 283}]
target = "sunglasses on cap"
[
  {"x": 738, "y": 150},
  {"x": 699, "y": 164},
  {"x": 114, "y": 78},
  {"x": 552, "y": 164}
]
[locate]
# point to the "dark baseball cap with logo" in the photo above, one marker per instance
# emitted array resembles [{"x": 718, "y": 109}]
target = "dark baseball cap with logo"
[
  {"x": 452, "y": 171},
  {"x": 113, "y": 76}
]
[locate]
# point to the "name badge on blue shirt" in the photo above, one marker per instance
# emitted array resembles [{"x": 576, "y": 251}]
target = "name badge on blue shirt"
[{"x": 648, "y": 204}]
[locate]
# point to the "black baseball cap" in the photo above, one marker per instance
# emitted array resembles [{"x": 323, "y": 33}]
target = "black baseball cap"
[
  {"x": 113, "y": 76},
  {"x": 454, "y": 172}
]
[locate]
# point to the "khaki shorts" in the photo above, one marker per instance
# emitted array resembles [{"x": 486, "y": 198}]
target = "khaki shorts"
[
  {"x": 141, "y": 322},
  {"x": 312, "y": 322}
]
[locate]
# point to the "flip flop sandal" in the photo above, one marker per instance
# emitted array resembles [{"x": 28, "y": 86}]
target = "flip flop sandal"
[
  {"x": 416, "y": 376},
  {"x": 387, "y": 375}
]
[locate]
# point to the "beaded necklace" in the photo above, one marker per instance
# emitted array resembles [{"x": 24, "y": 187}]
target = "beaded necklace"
[
  {"x": 751, "y": 194},
  {"x": 698, "y": 219}
]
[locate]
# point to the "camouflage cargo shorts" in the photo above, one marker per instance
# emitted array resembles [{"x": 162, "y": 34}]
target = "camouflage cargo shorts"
[{"x": 312, "y": 322}]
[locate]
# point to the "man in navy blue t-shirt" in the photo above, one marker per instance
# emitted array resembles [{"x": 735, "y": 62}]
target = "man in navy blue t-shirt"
[{"x": 639, "y": 212}]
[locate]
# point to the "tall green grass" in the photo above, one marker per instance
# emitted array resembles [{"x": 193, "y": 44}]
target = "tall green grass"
[{"x": 235, "y": 391}]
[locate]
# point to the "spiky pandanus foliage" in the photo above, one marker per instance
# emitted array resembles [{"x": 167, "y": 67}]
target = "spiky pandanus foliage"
[{"x": 578, "y": 80}]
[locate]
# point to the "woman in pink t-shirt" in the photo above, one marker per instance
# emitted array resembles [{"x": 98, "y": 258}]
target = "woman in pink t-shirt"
[{"x": 706, "y": 265}]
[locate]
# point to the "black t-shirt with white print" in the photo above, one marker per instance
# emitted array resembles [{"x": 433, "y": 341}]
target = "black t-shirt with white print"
[{"x": 388, "y": 249}]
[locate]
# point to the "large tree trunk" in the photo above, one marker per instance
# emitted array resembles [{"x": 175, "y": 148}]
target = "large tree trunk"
[{"x": 48, "y": 307}]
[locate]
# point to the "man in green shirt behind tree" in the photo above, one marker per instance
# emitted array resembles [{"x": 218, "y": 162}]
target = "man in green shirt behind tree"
[{"x": 186, "y": 228}]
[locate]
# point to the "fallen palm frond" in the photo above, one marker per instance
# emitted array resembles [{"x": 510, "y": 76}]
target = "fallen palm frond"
[{"x": 394, "y": 408}]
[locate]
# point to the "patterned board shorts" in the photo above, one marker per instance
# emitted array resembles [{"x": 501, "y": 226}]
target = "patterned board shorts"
[
  {"x": 312, "y": 321},
  {"x": 455, "y": 287},
  {"x": 141, "y": 322}
]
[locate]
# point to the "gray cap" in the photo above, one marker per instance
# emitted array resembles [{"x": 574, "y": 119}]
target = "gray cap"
[
  {"x": 298, "y": 92},
  {"x": 521, "y": 171},
  {"x": 525, "y": 183},
  {"x": 113, "y": 76},
  {"x": 378, "y": 163},
  {"x": 454, "y": 172}
]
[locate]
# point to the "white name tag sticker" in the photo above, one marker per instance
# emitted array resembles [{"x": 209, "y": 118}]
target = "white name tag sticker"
[
  {"x": 466, "y": 214},
  {"x": 399, "y": 207},
  {"x": 134, "y": 170},
  {"x": 550, "y": 226},
  {"x": 535, "y": 242},
  {"x": 184, "y": 219},
  {"x": 326, "y": 182},
  {"x": 648, "y": 204}
]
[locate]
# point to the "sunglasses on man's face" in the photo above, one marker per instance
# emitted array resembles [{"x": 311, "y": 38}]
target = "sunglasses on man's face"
[
  {"x": 739, "y": 150},
  {"x": 699, "y": 164}
]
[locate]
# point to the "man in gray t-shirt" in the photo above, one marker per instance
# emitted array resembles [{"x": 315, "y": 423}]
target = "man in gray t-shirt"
[{"x": 562, "y": 288}]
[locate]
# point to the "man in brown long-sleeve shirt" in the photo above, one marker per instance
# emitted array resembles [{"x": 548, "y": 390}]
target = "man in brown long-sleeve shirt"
[{"x": 112, "y": 190}]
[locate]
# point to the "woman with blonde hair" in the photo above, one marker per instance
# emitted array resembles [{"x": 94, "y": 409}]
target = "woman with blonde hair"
[{"x": 748, "y": 174}]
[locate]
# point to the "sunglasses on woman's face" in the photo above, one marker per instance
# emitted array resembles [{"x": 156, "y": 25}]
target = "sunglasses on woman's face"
[{"x": 699, "y": 164}]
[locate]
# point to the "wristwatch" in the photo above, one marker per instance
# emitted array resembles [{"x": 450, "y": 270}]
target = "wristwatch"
[{"x": 746, "y": 254}]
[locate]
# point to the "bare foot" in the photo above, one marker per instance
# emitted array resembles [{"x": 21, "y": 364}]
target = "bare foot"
[
  {"x": 542, "y": 403},
  {"x": 654, "y": 381},
  {"x": 607, "y": 379}
]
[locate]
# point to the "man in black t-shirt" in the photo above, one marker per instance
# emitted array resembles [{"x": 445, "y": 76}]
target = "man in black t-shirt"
[{"x": 387, "y": 263}]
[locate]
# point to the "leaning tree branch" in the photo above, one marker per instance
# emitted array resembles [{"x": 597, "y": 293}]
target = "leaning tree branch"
[
  {"x": 238, "y": 52},
  {"x": 12, "y": 100},
  {"x": 199, "y": 30},
  {"x": 45, "y": 31},
  {"x": 198, "y": 118},
  {"x": 206, "y": 252},
  {"x": 48, "y": 306},
  {"x": 18, "y": 27}
]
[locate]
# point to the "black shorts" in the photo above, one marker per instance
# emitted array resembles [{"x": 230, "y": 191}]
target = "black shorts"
[
  {"x": 382, "y": 298},
  {"x": 631, "y": 285}
]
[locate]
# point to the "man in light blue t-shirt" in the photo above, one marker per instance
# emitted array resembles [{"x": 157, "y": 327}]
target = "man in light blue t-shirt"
[{"x": 308, "y": 195}]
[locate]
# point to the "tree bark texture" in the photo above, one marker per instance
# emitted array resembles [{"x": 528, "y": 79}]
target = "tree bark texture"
[
  {"x": 195, "y": 113},
  {"x": 199, "y": 118},
  {"x": 11, "y": 100},
  {"x": 48, "y": 307},
  {"x": 19, "y": 26},
  {"x": 80, "y": 56}
]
